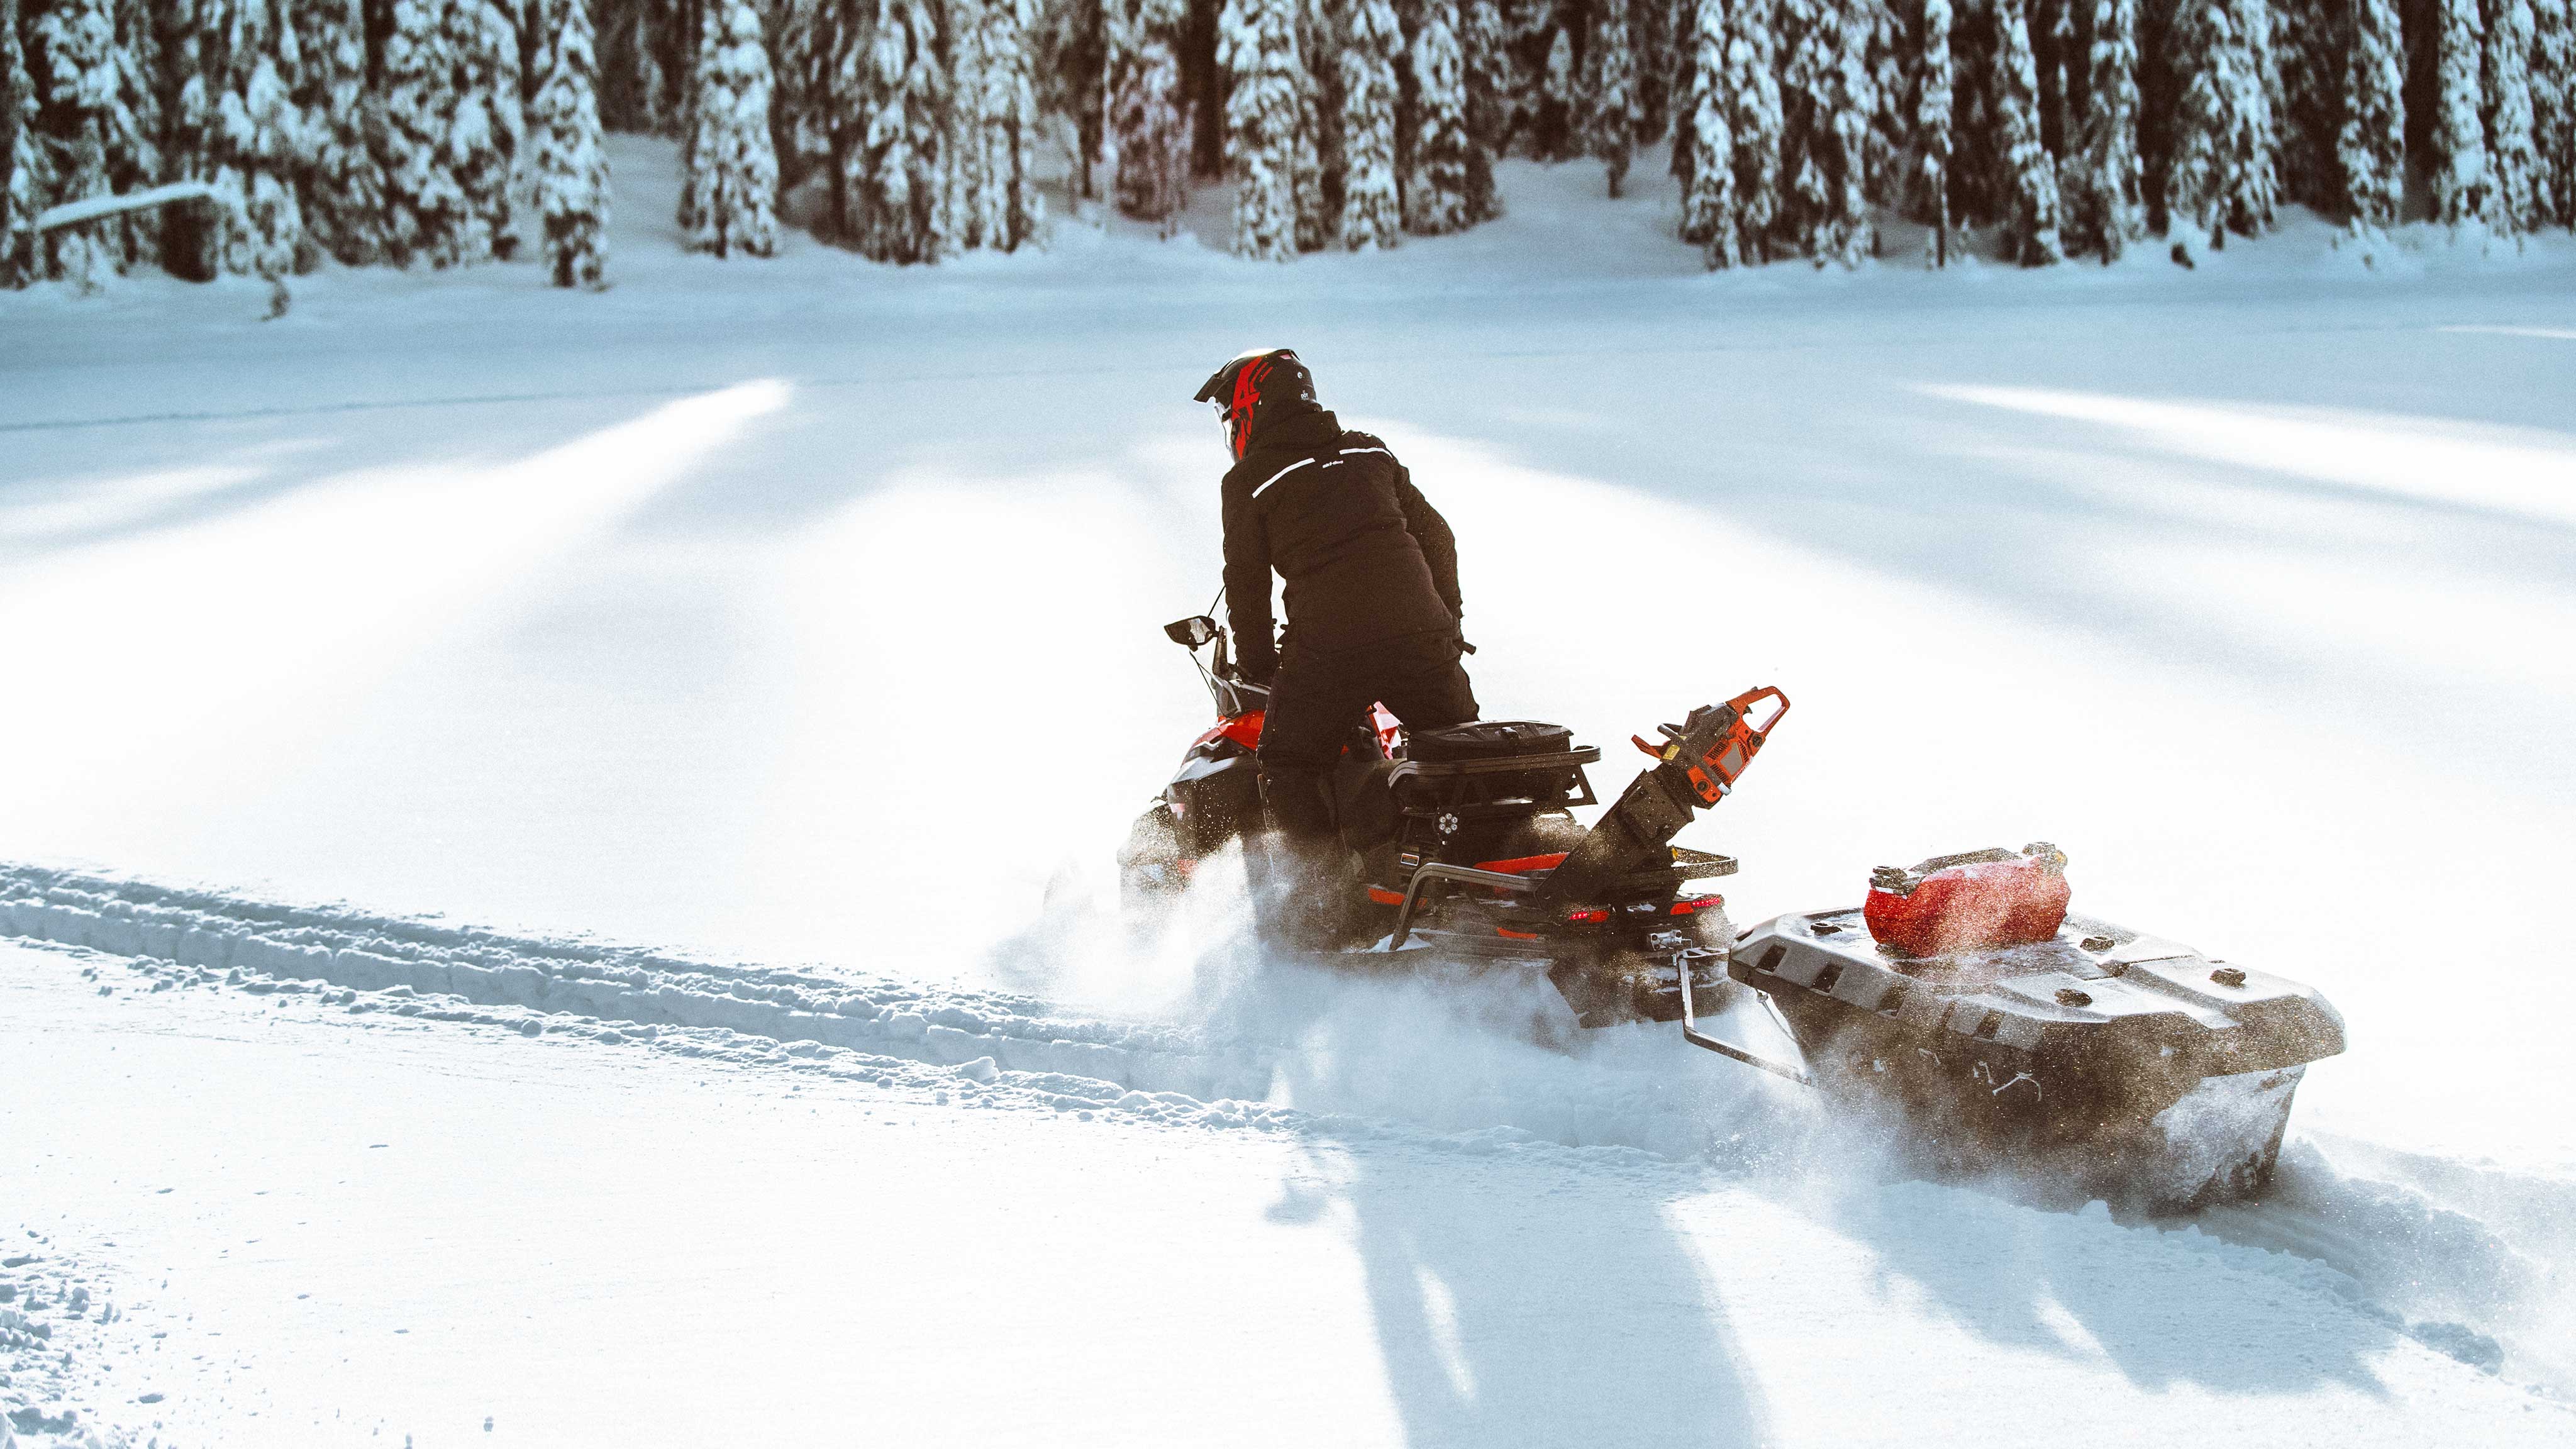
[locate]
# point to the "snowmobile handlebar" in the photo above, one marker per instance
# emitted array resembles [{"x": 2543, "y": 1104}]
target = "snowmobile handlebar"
[{"x": 1233, "y": 694}]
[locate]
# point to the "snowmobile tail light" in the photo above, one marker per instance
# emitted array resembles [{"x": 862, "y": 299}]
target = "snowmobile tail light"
[
  {"x": 1689, "y": 905},
  {"x": 1586, "y": 918}
]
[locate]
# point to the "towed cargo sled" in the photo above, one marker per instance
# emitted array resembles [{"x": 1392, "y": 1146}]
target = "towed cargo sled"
[{"x": 1960, "y": 996}]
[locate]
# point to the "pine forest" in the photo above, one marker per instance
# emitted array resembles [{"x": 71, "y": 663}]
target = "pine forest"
[{"x": 441, "y": 133}]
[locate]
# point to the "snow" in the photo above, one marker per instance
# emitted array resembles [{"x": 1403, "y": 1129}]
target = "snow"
[
  {"x": 692, "y": 1236},
  {"x": 72, "y": 212},
  {"x": 752, "y": 667}
]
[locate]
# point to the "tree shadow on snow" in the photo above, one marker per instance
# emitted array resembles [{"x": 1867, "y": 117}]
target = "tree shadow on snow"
[
  {"x": 1835, "y": 449},
  {"x": 2165, "y": 1306},
  {"x": 80, "y": 487},
  {"x": 1532, "y": 1305}
]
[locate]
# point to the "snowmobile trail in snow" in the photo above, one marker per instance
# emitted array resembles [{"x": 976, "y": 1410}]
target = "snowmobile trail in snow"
[
  {"x": 1249, "y": 1053},
  {"x": 2475, "y": 1274},
  {"x": 289, "y": 1197}
]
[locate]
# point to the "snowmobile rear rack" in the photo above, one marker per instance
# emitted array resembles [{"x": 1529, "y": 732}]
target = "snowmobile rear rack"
[
  {"x": 1691, "y": 1033},
  {"x": 1466, "y": 874},
  {"x": 1689, "y": 864}
]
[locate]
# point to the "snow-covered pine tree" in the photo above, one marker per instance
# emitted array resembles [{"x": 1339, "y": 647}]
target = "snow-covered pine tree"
[
  {"x": 1148, "y": 124},
  {"x": 2371, "y": 147},
  {"x": 1891, "y": 123},
  {"x": 729, "y": 165},
  {"x": 893, "y": 168},
  {"x": 96, "y": 64},
  {"x": 2553, "y": 103},
  {"x": 340, "y": 186},
  {"x": 1257, "y": 48},
  {"x": 1755, "y": 124},
  {"x": 1441, "y": 148},
  {"x": 1653, "y": 39},
  {"x": 996, "y": 201},
  {"x": 237, "y": 128},
  {"x": 1069, "y": 66},
  {"x": 427, "y": 218},
  {"x": 1824, "y": 79},
  {"x": 74, "y": 63},
  {"x": 1976, "y": 165},
  {"x": 2105, "y": 179},
  {"x": 1320, "y": 169},
  {"x": 1856, "y": 112},
  {"x": 1609, "y": 96},
  {"x": 648, "y": 63},
  {"x": 1529, "y": 28},
  {"x": 1686, "y": 82},
  {"x": 2223, "y": 175},
  {"x": 958, "y": 24},
  {"x": 1489, "y": 74},
  {"x": 1932, "y": 117},
  {"x": 1808, "y": 42},
  {"x": 1372, "y": 215},
  {"x": 806, "y": 42},
  {"x": 2461, "y": 187},
  {"x": 2310, "y": 39},
  {"x": 1556, "y": 120},
  {"x": 23, "y": 180},
  {"x": 1014, "y": 125},
  {"x": 1704, "y": 150},
  {"x": 135, "y": 157},
  {"x": 1451, "y": 186},
  {"x": 449, "y": 122},
  {"x": 571, "y": 165},
  {"x": 484, "y": 134},
  {"x": 2052, "y": 45},
  {"x": 2029, "y": 179},
  {"x": 2517, "y": 199}
]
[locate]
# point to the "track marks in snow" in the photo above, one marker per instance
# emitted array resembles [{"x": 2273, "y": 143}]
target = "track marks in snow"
[
  {"x": 1329, "y": 1058},
  {"x": 264, "y": 945},
  {"x": 1441, "y": 1057}
]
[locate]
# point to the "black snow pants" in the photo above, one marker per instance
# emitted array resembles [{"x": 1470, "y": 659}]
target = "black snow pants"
[{"x": 1318, "y": 703}]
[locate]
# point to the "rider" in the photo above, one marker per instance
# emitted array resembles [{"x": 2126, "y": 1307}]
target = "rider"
[{"x": 1372, "y": 603}]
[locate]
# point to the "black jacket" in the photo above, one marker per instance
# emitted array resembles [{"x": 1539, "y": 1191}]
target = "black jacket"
[{"x": 1365, "y": 556}]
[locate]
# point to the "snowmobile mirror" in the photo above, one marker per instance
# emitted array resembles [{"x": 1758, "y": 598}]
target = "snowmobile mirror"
[{"x": 1191, "y": 632}]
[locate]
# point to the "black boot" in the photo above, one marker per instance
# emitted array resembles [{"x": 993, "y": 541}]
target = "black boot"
[{"x": 1302, "y": 878}]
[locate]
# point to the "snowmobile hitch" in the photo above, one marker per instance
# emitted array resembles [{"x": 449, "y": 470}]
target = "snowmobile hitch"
[{"x": 1683, "y": 961}]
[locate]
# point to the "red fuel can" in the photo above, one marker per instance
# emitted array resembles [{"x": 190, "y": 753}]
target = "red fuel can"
[{"x": 1954, "y": 903}]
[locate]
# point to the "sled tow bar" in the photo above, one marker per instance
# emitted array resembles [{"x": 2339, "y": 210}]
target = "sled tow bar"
[{"x": 1682, "y": 963}]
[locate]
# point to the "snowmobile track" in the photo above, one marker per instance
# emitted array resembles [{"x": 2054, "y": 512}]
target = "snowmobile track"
[
  {"x": 1357, "y": 1072},
  {"x": 2364, "y": 1237},
  {"x": 217, "y": 932}
]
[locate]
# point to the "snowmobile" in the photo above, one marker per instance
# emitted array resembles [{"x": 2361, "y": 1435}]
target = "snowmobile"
[
  {"x": 1468, "y": 846},
  {"x": 1961, "y": 997}
]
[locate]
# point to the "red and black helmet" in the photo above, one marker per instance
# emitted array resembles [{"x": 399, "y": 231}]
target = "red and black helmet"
[{"x": 1255, "y": 388}]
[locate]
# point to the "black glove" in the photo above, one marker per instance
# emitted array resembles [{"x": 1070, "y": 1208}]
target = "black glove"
[{"x": 1257, "y": 672}]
